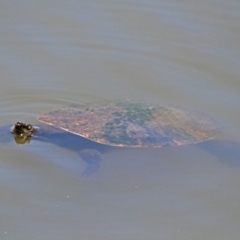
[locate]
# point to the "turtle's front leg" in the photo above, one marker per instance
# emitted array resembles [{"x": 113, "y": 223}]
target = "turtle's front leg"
[{"x": 93, "y": 158}]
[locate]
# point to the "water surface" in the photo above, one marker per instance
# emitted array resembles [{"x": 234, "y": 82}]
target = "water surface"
[{"x": 55, "y": 53}]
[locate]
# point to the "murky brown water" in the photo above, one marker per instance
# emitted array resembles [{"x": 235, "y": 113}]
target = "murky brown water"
[{"x": 55, "y": 53}]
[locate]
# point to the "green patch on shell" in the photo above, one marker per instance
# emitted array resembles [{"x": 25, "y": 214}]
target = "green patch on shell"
[{"x": 117, "y": 130}]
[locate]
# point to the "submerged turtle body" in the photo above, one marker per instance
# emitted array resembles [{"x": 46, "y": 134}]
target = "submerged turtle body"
[
  {"x": 131, "y": 124},
  {"x": 118, "y": 124}
]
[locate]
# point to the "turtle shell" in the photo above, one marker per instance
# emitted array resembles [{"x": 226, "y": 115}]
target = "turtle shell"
[{"x": 133, "y": 124}]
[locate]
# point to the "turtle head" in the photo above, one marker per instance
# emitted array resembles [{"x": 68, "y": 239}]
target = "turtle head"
[{"x": 23, "y": 132}]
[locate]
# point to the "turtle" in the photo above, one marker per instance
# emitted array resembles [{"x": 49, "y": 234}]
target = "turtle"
[{"x": 96, "y": 126}]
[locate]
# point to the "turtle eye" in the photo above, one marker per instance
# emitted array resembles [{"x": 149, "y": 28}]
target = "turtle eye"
[{"x": 29, "y": 127}]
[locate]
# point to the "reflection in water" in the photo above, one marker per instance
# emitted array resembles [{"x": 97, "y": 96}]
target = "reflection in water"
[{"x": 226, "y": 152}]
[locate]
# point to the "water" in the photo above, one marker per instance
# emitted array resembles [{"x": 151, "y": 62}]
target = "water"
[{"x": 55, "y": 53}]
